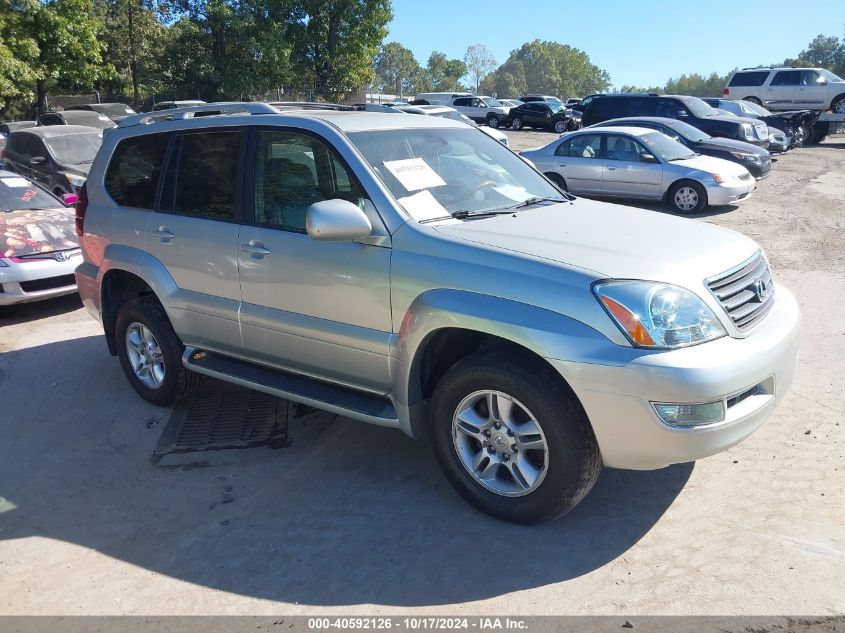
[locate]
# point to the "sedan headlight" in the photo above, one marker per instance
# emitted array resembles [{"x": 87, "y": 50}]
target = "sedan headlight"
[
  {"x": 653, "y": 314},
  {"x": 744, "y": 156},
  {"x": 76, "y": 181},
  {"x": 747, "y": 130}
]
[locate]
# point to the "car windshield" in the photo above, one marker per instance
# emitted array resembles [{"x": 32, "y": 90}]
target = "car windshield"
[
  {"x": 18, "y": 193},
  {"x": 698, "y": 107},
  {"x": 555, "y": 107},
  {"x": 757, "y": 109},
  {"x": 91, "y": 119},
  {"x": 436, "y": 172},
  {"x": 687, "y": 131},
  {"x": 668, "y": 149},
  {"x": 74, "y": 149},
  {"x": 829, "y": 75},
  {"x": 455, "y": 116},
  {"x": 115, "y": 109},
  {"x": 488, "y": 101}
]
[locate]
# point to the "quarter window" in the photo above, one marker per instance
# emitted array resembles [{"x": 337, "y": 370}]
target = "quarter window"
[
  {"x": 202, "y": 175},
  {"x": 132, "y": 174},
  {"x": 292, "y": 172}
]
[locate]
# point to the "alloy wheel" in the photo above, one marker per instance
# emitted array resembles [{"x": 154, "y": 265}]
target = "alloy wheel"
[{"x": 145, "y": 355}]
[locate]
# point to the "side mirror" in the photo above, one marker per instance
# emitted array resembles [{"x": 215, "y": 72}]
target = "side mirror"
[
  {"x": 648, "y": 158},
  {"x": 336, "y": 221},
  {"x": 681, "y": 114},
  {"x": 37, "y": 160},
  {"x": 70, "y": 198}
]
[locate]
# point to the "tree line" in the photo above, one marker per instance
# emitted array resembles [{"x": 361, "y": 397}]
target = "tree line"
[
  {"x": 823, "y": 52},
  {"x": 214, "y": 50}
]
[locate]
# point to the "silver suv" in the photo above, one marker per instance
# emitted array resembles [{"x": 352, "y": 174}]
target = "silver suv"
[
  {"x": 412, "y": 272},
  {"x": 788, "y": 88}
]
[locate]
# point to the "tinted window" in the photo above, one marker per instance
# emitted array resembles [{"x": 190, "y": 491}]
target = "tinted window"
[
  {"x": 51, "y": 119},
  {"x": 462, "y": 102},
  {"x": 668, "y": 108},
  {"x": 640, "y": 107},
  {"x": 292, "y": 172},
  {"x": 787, "y": 78},
  {"x": 755, "y": 78},
  {"x": 581, "y": 146},
  {"x": 202, "y": 175},
  {"x": 132, "y": 174}
]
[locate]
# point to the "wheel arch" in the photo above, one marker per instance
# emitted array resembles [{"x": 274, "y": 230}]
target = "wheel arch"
[{"x": 678, "y": 181}]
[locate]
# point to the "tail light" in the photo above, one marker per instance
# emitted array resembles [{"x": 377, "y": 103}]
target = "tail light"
[
  {"x": 81, "y": 207},
  {"x": 726, "y": 92}
]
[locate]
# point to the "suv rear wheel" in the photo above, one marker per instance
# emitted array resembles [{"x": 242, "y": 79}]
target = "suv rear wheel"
[
  {"x": 493, "y": 121},
  {"x": 151, "y": 353},
  {"x": 512, "y": 440}
]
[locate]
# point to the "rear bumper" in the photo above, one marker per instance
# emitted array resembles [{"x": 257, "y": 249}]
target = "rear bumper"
[
  {"x": 88, "y": 285},
  {"x": 617, "y": 399}
]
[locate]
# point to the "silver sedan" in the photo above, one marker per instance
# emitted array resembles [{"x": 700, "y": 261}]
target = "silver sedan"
[{"x": 631, "y": 162}]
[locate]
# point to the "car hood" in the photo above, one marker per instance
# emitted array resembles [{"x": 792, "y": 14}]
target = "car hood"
[
  {"x": 612, "y": 241},
  {"x": 712, "y": 165},
  {"x": 26, "y": 231},
  {"x": 727, "y": 144}
]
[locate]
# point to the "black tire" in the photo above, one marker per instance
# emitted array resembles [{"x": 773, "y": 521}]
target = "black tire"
[
  {"x": 573, "y": 462},
  {"x": 837, "y": 105},
  {"x": 805, "y": 134},
  {"x": 753, "y": 100},
  {"x": 493, "y": 121},
  {"x": 178, "y": 383},
  {"x": 557, "y": 179},
  {"x": 560, "y": 126},
  {"x": 516, "y": 123},
  {"x": 699, "y": 190}
]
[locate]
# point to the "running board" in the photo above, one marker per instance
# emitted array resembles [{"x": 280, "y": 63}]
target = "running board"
[{"x": 316, "y": 393}]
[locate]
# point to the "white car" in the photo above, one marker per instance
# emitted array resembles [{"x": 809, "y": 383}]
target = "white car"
[
  {"x": 451, "y": 113},
  {"x": 788, "y": 88},
  {"x": 635, "y": 162},
  {"x": 482, "y": 110}
]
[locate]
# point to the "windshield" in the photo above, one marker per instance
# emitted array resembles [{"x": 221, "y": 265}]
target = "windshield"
[
  {"x": 19, "y": 193},
  {"x": 757, "y": 109},
  {"x": 688, "y": 131},
  {"x": 829, "y": 75},
  {"x": 455, "y": 116},
  {"x": 488, "y": 101},
  {"x": 668, "y": 149},
  {"x": 115, "y": 109},
  {"x": 436, "y": 172},
  {"x": 698, "y": 107},
  {"x": 74, "y": 149}
]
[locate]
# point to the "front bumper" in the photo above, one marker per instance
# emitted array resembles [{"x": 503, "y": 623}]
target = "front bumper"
[
  {"x": 719, "y": 194},
  {"x": 36, "y": 280},
  {"x": 617, "y": 398}
]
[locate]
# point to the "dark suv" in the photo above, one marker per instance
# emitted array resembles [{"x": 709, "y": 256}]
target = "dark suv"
[{"x": 691, "y": 110}]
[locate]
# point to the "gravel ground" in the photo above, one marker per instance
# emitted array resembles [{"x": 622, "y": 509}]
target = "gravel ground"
[{"x": 356, "y": 519}]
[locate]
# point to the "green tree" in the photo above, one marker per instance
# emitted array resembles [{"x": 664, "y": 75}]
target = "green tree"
[
  {"x": 479, "y": 62},
  {"x": 444, "y": 73},
  {"x": 18, "y": 51},
  {"x": 67, "y": 51},
  {"x": 397, "y": 69},
  {"x": 697, "y": 85},
  {"x": 822, "y": 52},
  {"x": 549, "y": 68}
]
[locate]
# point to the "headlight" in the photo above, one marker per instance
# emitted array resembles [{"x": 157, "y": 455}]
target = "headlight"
[
  {"x": 747, "y": 130},
  {"x": 652, "y": 314},
  {"x": 76, "y": 181},
  {"x": 718, "y": 178},
  {"x": 751, "y": 158}
]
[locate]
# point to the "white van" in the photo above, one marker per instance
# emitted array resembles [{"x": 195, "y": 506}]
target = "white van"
[{"x": 439, "y": 98}]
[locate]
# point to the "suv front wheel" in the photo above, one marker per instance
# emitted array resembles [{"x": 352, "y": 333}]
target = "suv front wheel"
[
  {"x": 151, "y": 353},
  {"x": 512, "y": 440}
]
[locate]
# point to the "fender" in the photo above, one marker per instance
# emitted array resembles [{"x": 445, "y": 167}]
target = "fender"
[{"x": 548, "y": 334}]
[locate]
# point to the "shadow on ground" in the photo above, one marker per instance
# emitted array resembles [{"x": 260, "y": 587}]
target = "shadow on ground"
[
  {"x": 347, "y": 514},
  {"x": 26, "y": 312}
]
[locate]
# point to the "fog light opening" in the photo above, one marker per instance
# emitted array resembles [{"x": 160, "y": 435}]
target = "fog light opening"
[{"x": 689, "y": 415}]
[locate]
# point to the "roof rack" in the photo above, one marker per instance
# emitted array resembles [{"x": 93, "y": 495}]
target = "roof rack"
[
  {"x": 209, "y": 109},
  {"x": 311, "y": 105}
]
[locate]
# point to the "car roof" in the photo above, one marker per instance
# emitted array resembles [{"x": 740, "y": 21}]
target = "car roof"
[
  {"x": 49, "y": 131},
  {"x": 768, "y": 68},
  {"x": 622, "y": 129},
  {"x": 648, "y": 119},
  {"x": 360, "y": 121}
]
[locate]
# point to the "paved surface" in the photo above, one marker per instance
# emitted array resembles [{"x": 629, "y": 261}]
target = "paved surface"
[{"x": 356, "y": 519}]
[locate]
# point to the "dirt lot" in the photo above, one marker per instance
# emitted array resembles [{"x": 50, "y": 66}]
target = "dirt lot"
[{"x": 356, "y": 519}]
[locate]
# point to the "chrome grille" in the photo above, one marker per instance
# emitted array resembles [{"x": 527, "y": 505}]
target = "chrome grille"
[{"x": 746, "y": 292}]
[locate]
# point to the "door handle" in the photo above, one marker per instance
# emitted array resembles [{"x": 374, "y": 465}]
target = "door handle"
[
  {"x": 163, "y": 233},
  {"x": 254, "y": 247},
  {"x": 611, "y": 168},
  {"x": 561, "y": 164}
]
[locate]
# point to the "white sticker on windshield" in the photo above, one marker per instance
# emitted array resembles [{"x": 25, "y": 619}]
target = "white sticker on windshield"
[
  {"x": 424, "y": 206},
  {"x": 414, "y": 173},
  {"x": 16, "y": 182}
]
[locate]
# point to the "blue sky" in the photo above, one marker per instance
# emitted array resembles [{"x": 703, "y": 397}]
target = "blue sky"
[{"x": 641, "y": 43}]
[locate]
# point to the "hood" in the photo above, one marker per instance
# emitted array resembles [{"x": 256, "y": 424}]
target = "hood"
[
  {"x": 731, "y": 144},
  {"x": 26, "y": 232},
  {"x": 81, "y": 169},
  {"x": 613, "y": 241},
  {"x": 713, "y": 165}
]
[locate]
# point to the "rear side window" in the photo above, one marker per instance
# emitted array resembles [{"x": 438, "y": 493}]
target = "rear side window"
[
  {"x": 132, "y": 174},
  {"x": 752, "y": 78},
  {"x": 787, "y": 78},
  {"x": 581, "y": 146},
  {"x": 462, "y": 102},
  {"x": 202, "y": 175}
]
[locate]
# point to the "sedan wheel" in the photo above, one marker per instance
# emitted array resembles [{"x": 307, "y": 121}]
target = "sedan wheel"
[
  {"x": 687, "y": 197},
  {"x": 516, "y": 124}
]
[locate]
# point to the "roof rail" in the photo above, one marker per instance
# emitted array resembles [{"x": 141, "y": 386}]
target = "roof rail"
[{"x": 209, "y": 109}]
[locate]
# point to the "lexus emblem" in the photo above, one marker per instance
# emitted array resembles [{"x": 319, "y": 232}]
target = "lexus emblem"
[{"x": 761, "y": 289}]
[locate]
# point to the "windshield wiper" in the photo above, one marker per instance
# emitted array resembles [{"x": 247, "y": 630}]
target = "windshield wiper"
[
  {"x": 537, "y": 200},
  {"x": 463, "y": 215}
]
